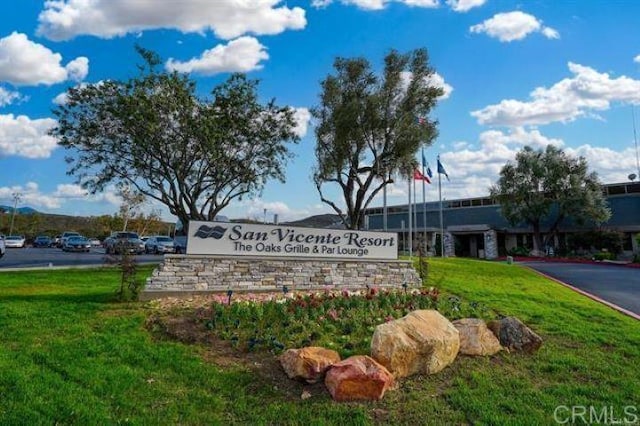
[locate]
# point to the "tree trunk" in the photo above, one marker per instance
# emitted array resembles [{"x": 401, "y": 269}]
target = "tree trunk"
[{"x": 537, "y": 238}]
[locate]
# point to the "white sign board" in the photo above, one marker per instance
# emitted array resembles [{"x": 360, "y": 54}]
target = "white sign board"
[{"x": 243, "y": 239}]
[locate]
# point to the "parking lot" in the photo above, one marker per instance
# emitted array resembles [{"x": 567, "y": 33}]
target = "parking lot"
[{"x": 30, "y": 257}]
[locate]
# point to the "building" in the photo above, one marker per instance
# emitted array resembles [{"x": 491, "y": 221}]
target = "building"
[{"x": 474, "y": 227}]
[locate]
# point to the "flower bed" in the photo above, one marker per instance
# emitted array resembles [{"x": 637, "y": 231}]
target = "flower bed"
[{"x": 343, "y": 321}]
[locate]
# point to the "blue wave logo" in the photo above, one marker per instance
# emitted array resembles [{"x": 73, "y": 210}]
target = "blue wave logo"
[{"x": 215, "y": 232}]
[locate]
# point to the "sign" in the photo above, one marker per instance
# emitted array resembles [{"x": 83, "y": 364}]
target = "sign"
[{"x": 244, "y": 239}]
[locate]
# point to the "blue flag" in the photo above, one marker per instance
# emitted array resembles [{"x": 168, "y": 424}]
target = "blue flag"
[
  {"x": 441, "y": 169},
  {"x": 425, "y": 166}
]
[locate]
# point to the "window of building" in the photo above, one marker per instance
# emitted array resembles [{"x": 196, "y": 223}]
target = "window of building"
[{"x": 616, "y": 189}]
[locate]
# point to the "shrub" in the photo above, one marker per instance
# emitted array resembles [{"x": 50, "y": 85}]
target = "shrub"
[
  {"x": 342, "y": 321},
  {"x": 519, "y": 251},
  {"x": 611, "y": 241},
  {"x": 603, "y": 255}
]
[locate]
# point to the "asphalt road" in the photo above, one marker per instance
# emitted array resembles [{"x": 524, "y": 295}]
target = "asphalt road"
[
  {"x": 615, "y": 284},
  {"x": 50, "y": 257}
]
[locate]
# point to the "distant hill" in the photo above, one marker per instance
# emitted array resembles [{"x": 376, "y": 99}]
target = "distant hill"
[
  {"x": 19, "y": 210},
  {"x": 318, "y": 221}
]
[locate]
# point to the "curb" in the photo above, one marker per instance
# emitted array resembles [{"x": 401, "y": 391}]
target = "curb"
[
  {"x": 584, "y": 293},
  {"x": 59, "y": 267},
  {"x": 568, "y": 260}
]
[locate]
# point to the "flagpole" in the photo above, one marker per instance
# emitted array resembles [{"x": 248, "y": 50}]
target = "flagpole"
[
  {"x": 424, "y": 205},
  {"x": 415, "y": 207},
  {"x": 441, "y": 222},
  {"x": 384, "y": 207},
  {"x": 410, "y": 224},
  {"x": 424, "y": 215}
]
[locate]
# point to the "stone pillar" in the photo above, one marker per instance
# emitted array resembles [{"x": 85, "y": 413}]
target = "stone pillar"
[
  {"x": 449, "y": 247},
  {"x": 490, "y": 244}
]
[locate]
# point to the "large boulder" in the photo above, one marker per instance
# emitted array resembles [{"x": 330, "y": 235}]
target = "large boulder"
[
  {"x": 476, "y": 338},
  {"x": 514, "y": 335},
  {"x": 420, "y": 342},
  {"x": 309, "y": 364},
  {"x": 358, "y": 378}
]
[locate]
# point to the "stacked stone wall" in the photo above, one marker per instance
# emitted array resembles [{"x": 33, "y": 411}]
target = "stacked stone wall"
[{"x": 189, "y": 274}]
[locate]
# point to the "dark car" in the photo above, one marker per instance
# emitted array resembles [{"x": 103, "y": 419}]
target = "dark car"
[
  {"x": 120, "y": 242},
  {"x": 42, "y": 241},
  {"x": 77, "y": 244}
]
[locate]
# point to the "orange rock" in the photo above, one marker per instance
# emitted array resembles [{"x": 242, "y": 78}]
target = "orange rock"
[
  {"x": 309, "y": 364},
  {"x": 358, "y": 378}
]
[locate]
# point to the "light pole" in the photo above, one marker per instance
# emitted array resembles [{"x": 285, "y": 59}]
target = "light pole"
[{"x": 16, "y": 198}]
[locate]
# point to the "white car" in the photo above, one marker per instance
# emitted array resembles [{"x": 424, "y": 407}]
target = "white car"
[
  {"x": 159, "y": 244},
  {"x": 2, "y": 248},
  {"x": 14, "y": 241}
]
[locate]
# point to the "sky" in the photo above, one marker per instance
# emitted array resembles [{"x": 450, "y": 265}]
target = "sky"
[{"x": 561, "y": 72}]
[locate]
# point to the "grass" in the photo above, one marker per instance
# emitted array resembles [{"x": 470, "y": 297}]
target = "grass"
[{"x": 69, "y": 354}]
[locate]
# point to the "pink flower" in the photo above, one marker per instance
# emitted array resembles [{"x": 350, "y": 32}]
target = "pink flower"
[{"x": 333, "y": 314}]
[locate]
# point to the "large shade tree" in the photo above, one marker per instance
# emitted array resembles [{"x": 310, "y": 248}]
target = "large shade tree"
[
  {"x": 153, "y": 134},
  {"x": 370, "y": 127},
  {"x": 546, "y": 187}
]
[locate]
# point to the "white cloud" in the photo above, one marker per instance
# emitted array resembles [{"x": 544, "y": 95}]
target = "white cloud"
[
  {"x": 513, "y": 26},
  {"x": 254, "y": 209},
  {"x": 464, "y": 5},
  {"x": 23, "y": 62},
  {"x": 585, "y": 92},
  {"x": 472, "y": 171},
  {"x": 302, "y": 117},
  {"x": 435, "y": 80},
  {"x": 78, "y": 68},
  {"x": 69, "y": 190},
  {"x": 240, "y": 55},
  {"x": 32, "y": 196},
  {"x": 228, "y": 19},
  {"x": 378, "y": 4},
  {"x": 549, "y": 32},
  {"x": 438, "y": 81},
  {"x": 22, "y": 136},
  {"x": 7, "y": 97},
  {"x": 637, "y": 59},
  {"x": 61, "y": 99}
]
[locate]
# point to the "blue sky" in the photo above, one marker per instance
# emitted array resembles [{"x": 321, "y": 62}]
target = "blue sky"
[{"x": 515, "y": 73}]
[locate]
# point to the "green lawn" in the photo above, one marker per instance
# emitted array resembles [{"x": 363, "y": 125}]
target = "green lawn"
[{"x": 70, "y": 354}]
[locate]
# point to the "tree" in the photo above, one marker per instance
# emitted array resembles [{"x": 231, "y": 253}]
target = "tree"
[
  {"x": 370, "y": 127},
  {"x": 153, "y": 134},
  {"x": 548, "y": 187}
]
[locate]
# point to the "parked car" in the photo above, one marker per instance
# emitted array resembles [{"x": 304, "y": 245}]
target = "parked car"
[
  {"x": 66, "y": 235},
  {"x": 119, "y": 242},
  {"x": 42, "y": 241},
  {"x": 180, "y": 244},
  {"x": 95, "y": 242},
  {"x": 14, "y": 241},
  {"x": 2, "y": 247},
  {"x": 159, "y": 244},
  {"x": 76, "y": 243}
]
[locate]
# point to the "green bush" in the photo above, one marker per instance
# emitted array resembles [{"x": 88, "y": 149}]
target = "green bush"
[
  {"x": 519, "y": 251},
  {"x": 611, "y": 241},
  {"x": 603, "y": 255},
  {"x": 342, "y": 321}
]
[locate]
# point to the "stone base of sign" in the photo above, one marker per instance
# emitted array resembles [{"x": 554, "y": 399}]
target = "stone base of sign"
[{"x": 187, "y": 275}]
